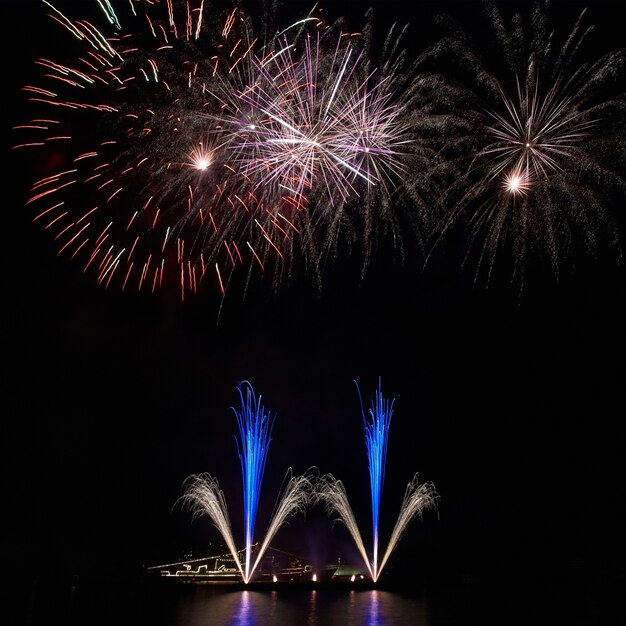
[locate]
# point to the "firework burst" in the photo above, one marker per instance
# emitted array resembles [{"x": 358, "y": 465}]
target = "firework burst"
[
  {"x": 175, "y": 149},
  {"x": 533, "y": 140},
  {"x": 117, "y": 121}
]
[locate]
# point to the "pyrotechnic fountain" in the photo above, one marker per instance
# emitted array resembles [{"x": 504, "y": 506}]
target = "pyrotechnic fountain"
[
  {"x": 417, "y": 498},
  {"x": 204, "y": 497}
]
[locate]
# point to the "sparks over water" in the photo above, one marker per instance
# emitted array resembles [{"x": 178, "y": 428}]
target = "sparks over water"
[
  {"x": 204, "y": 497},
  {"x": 418, "y": 497}
]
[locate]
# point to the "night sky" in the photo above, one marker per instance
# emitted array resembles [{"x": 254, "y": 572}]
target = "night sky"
[{"x": 512, "y": 404}]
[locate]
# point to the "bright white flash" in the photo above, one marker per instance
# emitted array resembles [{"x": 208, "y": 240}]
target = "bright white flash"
[
  {"x": 517, "y": 182},
  {"x": 513, "y": 183},
  {"x": 201, "y": 157},
  {"x": 202, "y": 164}
]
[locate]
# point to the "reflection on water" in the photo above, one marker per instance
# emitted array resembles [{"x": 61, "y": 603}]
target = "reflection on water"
[
  {"x": 373, "y": 613},
  {"x": 467, "y": 605},
  {"x": 314, "y": 608}
]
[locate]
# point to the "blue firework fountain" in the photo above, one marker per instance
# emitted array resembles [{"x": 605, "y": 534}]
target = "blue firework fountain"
[
  {"x": 204, "y": 496},
  {"x": 255, "y": 427},
  {"x": 417, "y": 497},
  {"x": 376, "y": 424}
]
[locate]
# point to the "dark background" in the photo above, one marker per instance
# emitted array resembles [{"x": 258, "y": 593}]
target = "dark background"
[{"x": 512, "y": 405}]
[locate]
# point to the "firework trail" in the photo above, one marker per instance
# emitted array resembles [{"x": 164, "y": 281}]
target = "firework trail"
[
  {"x": 418, "y": 497},
  {"x": 332, "y": 493},
  {"x": 533, "y": 140},
  {"x": 203, "y": 496},
  {"x": 174, "y": 149},
  {"x": 293, "y": 499}
]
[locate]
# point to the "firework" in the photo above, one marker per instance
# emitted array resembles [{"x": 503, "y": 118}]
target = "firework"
[
  {"x": 376, "y": 436},
  {"x": 533, "y": 141},
  {"x": 255, "y": 435},
  {"x": 174, "y": 149},
  {"x": 203, "y": 496},
  {"x": 418, "y": 497},
  {"x": 145, "y": 193}
]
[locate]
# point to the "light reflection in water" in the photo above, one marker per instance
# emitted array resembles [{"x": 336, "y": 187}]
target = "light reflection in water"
[
  {"x": 244, "y": 610},
  {"x": 312, "y": 618},
  {"x": 324, "y": 607},
  {"x": 373, "y": 613}
]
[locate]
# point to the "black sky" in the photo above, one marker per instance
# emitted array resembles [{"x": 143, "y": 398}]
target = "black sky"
[{"x": 512, "y": 407}]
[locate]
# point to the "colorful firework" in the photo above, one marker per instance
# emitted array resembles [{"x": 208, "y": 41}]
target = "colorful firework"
[
  {"x": 418, "y": 497},
  {"x": 533, "y": 140},
  {"x": 173, "y": 150},
  {"x": 166, "y": 206},
  {"x": 203, "y": 495}
]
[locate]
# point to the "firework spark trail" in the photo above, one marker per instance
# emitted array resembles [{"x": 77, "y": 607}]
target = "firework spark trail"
[
  {"x": 333, "y": 494},
  {"x": 535, "y": 132},
  {"x": 254, "y": 432},
  {"x": 203, "y": 496},
  {"x": 294, "y": 498},
  {"x": 417, "y": 500},
  {"x": 533, "y": 141},
  {"x": 324, "y": 125}
]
